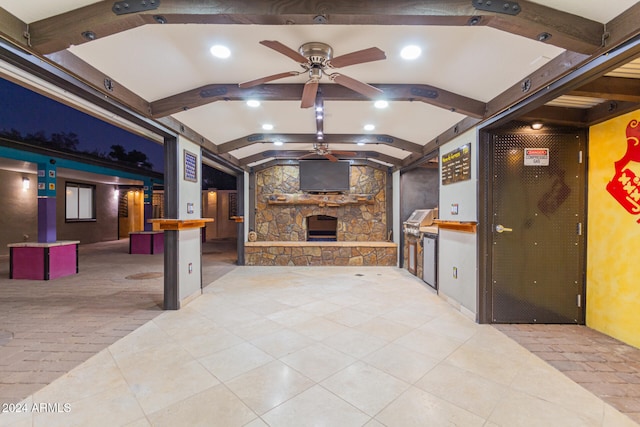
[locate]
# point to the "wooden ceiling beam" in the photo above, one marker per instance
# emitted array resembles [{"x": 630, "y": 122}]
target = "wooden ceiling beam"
[
  {"x": 609, "y": 110},
  {"x": 614, "y": 88},
  {"x": 557, "y": 115},
  {"x": 330, "y": 92},
  {"x": 302, "y": 138},
  {"x": 564, "y": 30}
]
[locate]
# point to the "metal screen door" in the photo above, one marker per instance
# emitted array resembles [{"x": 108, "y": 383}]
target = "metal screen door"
[{"x": 537, "y": 231}]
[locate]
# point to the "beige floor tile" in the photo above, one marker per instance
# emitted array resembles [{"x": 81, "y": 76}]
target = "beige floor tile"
[
  {"x": 267, "y": 306},
  {"x": 228, "y": 316},
  {"x": 386, "y": 329},
  {"x": 348, "y": 317},
  {"x": 613, "y": 418},
  {"x": 290, "y": 317},
  {"x": 142, "y": 422},
  {"x": 148, "y": 335},
  {"x": 203, "y": 343},
  {"x": 355, "y": 343},
  {"x": 216, "y": 406},
  {"x": 401, "y": 362},
  {"x": 257, "y": 423},
  {"x": 164, "y": 375},
  {"x": 256, "y": 329},
  {"x": 374, "y": 423},
  {"x": 282, "y": 342},
  {"x": 319, "y": 328},
  {"x": 186, "y": 320},
  {"x": 234, "y": 361},
  {"x": 433, "y": 345},
  {"x": 453, "y": 325},
  {"x": 319, "y": 308},
  {"x": 318, "y": 361},
  {"x": 266, "y": 387},
  {"x": 541, "y": 380},
  {"x": 117, "y": 406},
  {"x": 414, "y": 318},
  {"x": 523, "y": 410},
  {"x": 365, "y": 387},
  {"x": 100, "y": 371},
  {"x": 315, "y": 407},
  {"x": 501, "y": 370},
  {"x": 418, "y": 408},
  {"x": 18, "y": 416},
  {"x": 462, "y": 388}
]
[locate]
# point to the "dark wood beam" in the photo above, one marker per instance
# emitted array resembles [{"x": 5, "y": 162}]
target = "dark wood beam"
[
  {"x": 557, "y": 115},
  {"x": 623, "y": 27},
  {"x": 609, "y": 110},
  {"x": 614, "y": 88},
  {"x": 567, "y": 31},
  {"x": 558, "y": 67},
  {"x": 330, "y": 92},
  {"x": 13, "y": 28},
  {"x": 105, "y": 84},
  {"x": 304, "y": 138},
  {"x": 297, "y": 154}
]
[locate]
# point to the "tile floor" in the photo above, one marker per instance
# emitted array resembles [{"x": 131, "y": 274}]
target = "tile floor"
[
  {"x": 49, "y": 327},
  {"x": 332, "y": 346}
]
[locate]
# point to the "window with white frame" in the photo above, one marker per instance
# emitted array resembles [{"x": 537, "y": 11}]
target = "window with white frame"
[{"x": 80, "y": 204}]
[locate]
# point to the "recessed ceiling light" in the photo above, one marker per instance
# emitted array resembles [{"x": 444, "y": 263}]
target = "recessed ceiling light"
[
  {"x": 278, "y": 143},
  {"x": 318, "y": 109},
  {"x": 267, "y": 126},
  {"x": 220, "y": 51},
  {"x": 369, "y": 127},
  {"x": 253, "y": 103},
  {"x": 410, "y": 52},
  {"x": 381, "y": 104},
  {"x": 360, "y": 143}
]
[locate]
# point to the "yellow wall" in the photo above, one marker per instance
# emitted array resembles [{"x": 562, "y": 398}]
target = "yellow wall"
[{"x": 613, "y": 245}]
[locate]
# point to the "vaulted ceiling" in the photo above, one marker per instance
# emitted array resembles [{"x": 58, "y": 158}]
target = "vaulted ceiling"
[{"x": 479, "y": 58}]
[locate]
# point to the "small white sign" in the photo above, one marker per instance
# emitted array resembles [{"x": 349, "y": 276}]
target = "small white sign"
[{"x": 536, "y": 157}]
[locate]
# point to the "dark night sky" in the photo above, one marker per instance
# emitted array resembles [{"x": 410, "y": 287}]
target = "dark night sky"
[{"x": 29, "y": 112}]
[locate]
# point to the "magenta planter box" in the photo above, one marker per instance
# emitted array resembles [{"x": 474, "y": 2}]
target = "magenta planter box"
[
  {"x": 43, "y": 261},
  {"x": 146, "y": 242}
]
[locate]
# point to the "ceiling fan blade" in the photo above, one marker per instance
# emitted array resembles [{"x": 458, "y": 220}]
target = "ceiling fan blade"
[
  {"x": 312, "y": 154},
  {"x": 331, "y": 157},
  {"x": 309, "y": 94},
  {"x": 356, "y": 85},
  {"x": 358, "y": 57},
  {"x": 262, "y": 80},
  {"x": 285, "y": 50}
]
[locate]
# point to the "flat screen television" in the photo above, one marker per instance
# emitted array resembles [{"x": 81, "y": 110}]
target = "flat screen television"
[{"x": 323, "y": 176}]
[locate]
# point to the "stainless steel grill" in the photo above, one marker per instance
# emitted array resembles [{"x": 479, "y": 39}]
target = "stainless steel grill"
[{"x": 420, "y": 218}]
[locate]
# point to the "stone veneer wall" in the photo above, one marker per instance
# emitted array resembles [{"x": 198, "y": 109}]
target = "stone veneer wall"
[
  {"x": 365, "y": 223},
  {"x": 321, "y": 255}
]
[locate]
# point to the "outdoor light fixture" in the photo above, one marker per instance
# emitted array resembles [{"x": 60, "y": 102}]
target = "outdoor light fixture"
[
  {"x": 536, "y": 126},
  {"x": 278, "y": 143},
  {"x": 25, "y": 184}
]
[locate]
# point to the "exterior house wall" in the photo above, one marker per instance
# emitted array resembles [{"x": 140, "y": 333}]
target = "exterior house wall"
[
  {"x": 19, "y": 219},
  {"x": 104, "y": 228}
]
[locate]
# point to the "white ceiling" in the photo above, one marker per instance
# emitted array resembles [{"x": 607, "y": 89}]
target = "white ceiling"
[{"x": 158, "y": 61}]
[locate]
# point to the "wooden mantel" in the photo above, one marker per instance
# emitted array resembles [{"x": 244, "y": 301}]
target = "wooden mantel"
[
  {"x": 322, "y": 200},
  {"x": 467, "y": 227},
  {"x": 180, "y": 224}
]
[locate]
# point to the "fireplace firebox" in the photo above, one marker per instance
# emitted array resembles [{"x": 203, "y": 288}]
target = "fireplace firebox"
[{"x": 322, "y": 228}]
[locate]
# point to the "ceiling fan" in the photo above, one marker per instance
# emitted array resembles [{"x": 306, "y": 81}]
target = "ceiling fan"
[
  {"x": 316, "y": 58},
  {"x": 322, "y": 149}
]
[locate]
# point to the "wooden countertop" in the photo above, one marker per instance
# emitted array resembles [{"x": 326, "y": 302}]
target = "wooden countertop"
[
  {"x": 180, "y": 224},
  {"x": 43, "y": 244}
]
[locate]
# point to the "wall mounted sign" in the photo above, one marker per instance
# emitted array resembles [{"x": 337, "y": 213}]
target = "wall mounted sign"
[
  {"x": 625, "y": 184},
  {"x": 190, "y": 167},
  {"x": 536, "y": 157},
  {"x": 456, "y": 165}
]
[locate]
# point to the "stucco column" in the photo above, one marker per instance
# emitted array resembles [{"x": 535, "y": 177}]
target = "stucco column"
[{"x": 47, "y": 202}]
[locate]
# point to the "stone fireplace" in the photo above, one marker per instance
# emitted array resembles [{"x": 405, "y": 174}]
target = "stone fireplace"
[{"x": 297, "y": 228}]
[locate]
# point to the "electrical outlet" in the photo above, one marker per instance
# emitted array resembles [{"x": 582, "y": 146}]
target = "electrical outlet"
[
  {"x": 454, "y": 209},
  {"x": 455, "y": 272},
  {"x": 190, "y": 267}
]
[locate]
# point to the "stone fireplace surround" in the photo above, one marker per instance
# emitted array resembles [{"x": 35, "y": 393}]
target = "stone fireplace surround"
[{"x": 282, "y": 218}]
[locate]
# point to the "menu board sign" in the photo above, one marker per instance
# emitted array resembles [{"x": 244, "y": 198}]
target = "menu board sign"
[{"x": 456, "y": 165}]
